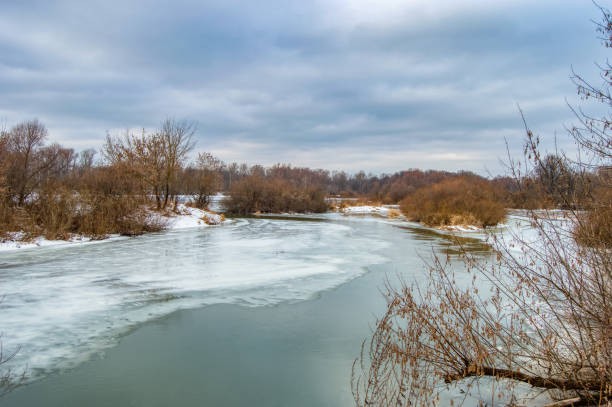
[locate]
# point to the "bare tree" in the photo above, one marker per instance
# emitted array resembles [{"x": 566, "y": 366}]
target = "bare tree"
[
  {"x": 85, "y": 161},
  {"x": 154, "y": 158},
  {"x": 25, "y": 141},
  {"x": 176, "y": 138},
  {"x": 232, "y": 174},
  {"x": 141, "y": 156},
  {"x": 206, "y": 178}
]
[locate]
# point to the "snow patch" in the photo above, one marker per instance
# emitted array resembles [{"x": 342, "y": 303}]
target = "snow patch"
[
  {"x": 381, "y": 210},
  {"x": 15, "y": 241},
  {"x": 187, "y": 217},
  {"x": 461, "y": 228}
]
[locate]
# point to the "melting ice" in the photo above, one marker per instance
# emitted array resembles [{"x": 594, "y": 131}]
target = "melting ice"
[{"x": 61, "y": 304}]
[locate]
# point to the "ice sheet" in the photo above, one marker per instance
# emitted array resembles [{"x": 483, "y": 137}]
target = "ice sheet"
[{"x": 61, "y": 304}]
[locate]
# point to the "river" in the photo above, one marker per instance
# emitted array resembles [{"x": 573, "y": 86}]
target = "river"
[{"x": 258, "y": 312}]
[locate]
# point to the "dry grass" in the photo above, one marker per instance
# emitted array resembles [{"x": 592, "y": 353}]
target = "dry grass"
[
  {"x": 394, "y": 213},
  {"x": 594, "y": 228}
]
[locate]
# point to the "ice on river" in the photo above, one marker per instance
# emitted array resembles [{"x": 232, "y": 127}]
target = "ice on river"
[{"x": 59, "y": 305}]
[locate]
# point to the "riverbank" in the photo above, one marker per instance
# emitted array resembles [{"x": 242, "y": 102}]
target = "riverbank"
[
  {"x": 393, "y": 212},
  {"x": 184, "y": 217}
]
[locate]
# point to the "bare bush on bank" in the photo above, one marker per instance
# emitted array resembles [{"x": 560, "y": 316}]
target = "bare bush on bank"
[
  {"x": 539, "y": 313},
  {"x": 257, "y": 194},
  {"x": 457, "y": 201},
  {"x": 203, "y": 179}
]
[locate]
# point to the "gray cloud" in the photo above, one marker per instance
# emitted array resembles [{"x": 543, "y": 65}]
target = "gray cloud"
[{"x": 335, "y": 84}]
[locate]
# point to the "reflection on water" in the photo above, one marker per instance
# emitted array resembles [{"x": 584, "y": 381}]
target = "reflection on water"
[
  {"x": 451, "y": 244},
  {"x": 305, "y": 218}
]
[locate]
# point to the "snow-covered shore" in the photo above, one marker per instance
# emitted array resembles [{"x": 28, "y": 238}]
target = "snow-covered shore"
[
  {"x": 389, "y": 211},
  {"x": 15, "y": 241},
  {"x": 393, "y": 212},
  {"x": 185, "y": 217}
]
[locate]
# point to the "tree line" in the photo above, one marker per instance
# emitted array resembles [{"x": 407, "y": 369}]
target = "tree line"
[{"x": 47, "y": 189}]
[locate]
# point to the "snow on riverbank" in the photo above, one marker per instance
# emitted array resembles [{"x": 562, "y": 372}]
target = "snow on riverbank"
[
  {"x": 185, "y": 217},
  {"x": 460, "y": 228},
  {"x": 393, "y": 212},
  {"x": 388, "y": 211},
  {"x": 15, "y": 241}
]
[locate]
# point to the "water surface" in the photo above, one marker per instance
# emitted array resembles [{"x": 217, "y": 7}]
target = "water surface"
[{"x": 260, "y": 311}]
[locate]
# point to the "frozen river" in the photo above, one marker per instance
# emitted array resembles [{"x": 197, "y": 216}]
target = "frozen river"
[{"x": 260, "y": 311}]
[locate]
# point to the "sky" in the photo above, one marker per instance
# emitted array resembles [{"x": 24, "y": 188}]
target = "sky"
[{"x": 351, "y": 85}]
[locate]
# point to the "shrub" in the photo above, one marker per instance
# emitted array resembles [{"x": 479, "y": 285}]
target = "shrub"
[
  {"x": 594, "y": 226},
  {"x": 104, "y": 202},
  {"x": 53, "y": 211},
  {"x": 462, "y": 200},
  {"x": 256, "y": 194}
]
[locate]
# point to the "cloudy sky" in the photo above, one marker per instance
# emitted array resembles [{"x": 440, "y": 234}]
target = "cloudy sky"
[{"x": 337, "y": 84}]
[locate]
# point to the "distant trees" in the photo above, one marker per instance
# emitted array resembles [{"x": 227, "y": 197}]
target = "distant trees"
[
  {"x": 392, "y": 188},
  {"x": 386, "y": 188},
  {"x": 559, "y": 180}
]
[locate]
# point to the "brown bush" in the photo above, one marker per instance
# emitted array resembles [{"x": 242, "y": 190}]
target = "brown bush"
[
  {"x": 455, "y": 201},
  {"x": 594, "y": 226},
  {"x": 256, "y": 194},
  {"x": 103, "y": 202},
  {"x": 595, "y": 229},
  {"x": 112, "y": 202},
  {"x": 101, "y": 215},
  {"x": 530, "y": 195},
  {"x": 53, "y": 213},
  {"x": 7, "y": 220}
]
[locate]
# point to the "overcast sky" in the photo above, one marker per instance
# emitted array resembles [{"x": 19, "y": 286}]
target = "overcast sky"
[{"x": 337, "y": 84}]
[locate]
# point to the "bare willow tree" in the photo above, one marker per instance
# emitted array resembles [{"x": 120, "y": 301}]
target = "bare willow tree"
[
  {"x": 204, "y": 178},
  {"x": 177, "y": 141},
  {"x": 539, "y": 312},
  {"x": 26, "y": 157},
  {"x": 139, "y": 156},
  {"x": 155, "y": 158}
]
